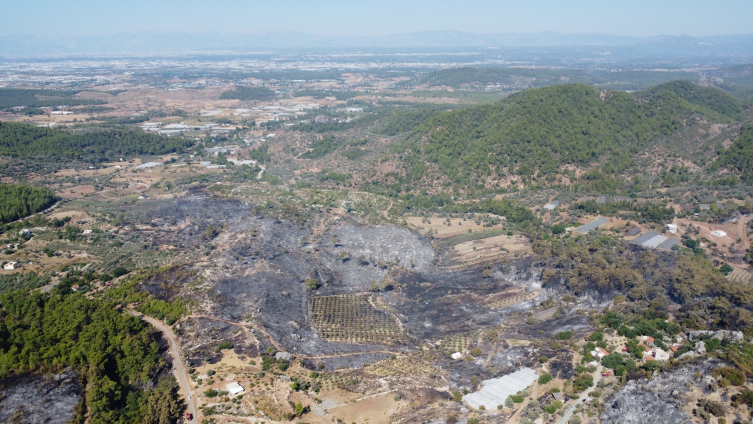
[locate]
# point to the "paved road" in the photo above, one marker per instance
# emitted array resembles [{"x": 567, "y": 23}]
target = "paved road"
[
  {"x": 180, "y": 367},
  {"x": 582, "y": 397}
]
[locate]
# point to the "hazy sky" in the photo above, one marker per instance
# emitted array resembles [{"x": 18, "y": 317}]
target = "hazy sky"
[{"x": 367, "y": 17}]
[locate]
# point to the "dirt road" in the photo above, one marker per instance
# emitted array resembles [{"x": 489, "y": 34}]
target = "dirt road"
[
  {"x": 582, "y": 397},
  {"x": 180, "y": 368}
]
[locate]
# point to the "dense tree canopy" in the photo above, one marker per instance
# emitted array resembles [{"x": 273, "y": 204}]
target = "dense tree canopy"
[
  {"x": 22, "y": 140},
  {"x": 535, "y": 132},
  {"x": 117, "y": 355},
  {"x": 18, "y": 201},
  {"x": 712, "y": 98},
  {"x": 10, "y": 97}
]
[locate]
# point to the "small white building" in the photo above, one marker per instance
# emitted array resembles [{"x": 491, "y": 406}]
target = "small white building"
[
  {"x": 234, "y": 388},
  {"x": 87, "y": 232},
  {"x": 456, "y": 355},
  {"x": 672, "y": 228},
  {"x": 10, "y": 266},
  {"x": 24, "y": 232}
]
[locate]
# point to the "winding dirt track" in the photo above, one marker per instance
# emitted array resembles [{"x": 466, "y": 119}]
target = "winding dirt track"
[{"x": 180, "y": 368}]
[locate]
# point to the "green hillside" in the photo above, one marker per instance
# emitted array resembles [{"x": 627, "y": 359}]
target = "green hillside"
[
  {"x": 10, "y": 97},
  {"x": 514, "y": 78},
  {"x": 534, "y": 133},
  {"x": 712, "y": 98},
  {"x": 26, "y": 141},
  {"x": 739, "y": 156}
]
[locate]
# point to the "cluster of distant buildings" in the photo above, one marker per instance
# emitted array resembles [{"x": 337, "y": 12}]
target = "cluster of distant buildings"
[{"x": 179, "y": 128}]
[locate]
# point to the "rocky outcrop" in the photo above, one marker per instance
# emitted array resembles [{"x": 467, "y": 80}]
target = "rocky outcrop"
[{"x": 733, "y": 336}]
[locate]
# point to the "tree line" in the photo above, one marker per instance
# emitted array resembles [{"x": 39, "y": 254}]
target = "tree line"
[
  {"x": 19, "y": 201},
  {"x": 25, "y": 141}
]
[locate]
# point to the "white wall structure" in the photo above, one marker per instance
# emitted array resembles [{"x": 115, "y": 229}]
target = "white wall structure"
[{"x": 494, "y": 392}]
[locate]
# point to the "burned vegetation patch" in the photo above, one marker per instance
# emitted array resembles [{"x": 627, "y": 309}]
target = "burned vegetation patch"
[
  {"x": 352, "y": 319},
  {"x": 201, "y": 338},
  {"x": 166, "y": 283},
  {"x": 32, "y": 399}
]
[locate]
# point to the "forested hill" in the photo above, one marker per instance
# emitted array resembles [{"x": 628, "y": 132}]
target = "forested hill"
[
  {"x": 536, "y": 132},
  {"x": 712, "y": 98},
  {"x": 27, "y": 141}
]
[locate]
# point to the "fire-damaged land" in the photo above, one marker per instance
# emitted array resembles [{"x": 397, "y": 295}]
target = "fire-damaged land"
[{"x": 381, "y": 263}]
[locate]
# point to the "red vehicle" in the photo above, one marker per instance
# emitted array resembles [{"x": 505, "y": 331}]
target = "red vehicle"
[
  {"x": 135, "y": 304},
  {"x": 189, "y": 417},
  {"x": 606, "y": 374},
  {"x": 625, "y": 349}
]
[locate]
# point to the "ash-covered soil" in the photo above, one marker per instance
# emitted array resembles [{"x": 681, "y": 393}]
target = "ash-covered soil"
[
  {"x": 250, "y": 270},
  {"x": 658, "y": 399},
  {"x": 32, "y": 399}
]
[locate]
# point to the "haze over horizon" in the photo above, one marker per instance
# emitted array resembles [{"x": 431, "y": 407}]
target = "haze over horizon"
[{"x": 695, "y": 18}]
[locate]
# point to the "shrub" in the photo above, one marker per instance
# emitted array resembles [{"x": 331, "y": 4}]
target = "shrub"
[
  {"x": 712, "y": 407},
  {"x": 283, "y": 366},
  {"x": 210, "y": 393},
  {"x": 472, "y": 421},
  {"x": 312, "y": 283},
  {"x": 119, "y": 272},
  {"x": 476, "y": 352},
  {"x": 517, "y": 398},
  {"x": 582, "y": 382},
  {"x": 396, "y": 398},
  {"x": 612, "y": 361},
  {"x": 543, "y": 359},
  {"x": 545, "y": 378},
  {"x": 225, "y": 345},
  {"x": 596, "y": 336},
  {"x": 550, "y": 409},
  {"x": 733, "y": 375},
  {"x": 509, "y": 403},
  {"x": 210, "y": 373},
  {"x": 565, "y": 335}
]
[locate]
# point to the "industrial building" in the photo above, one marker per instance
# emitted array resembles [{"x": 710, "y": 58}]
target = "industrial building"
[
  {"x": 654, "y": 240},
  {"x": 596, "y": 223}
]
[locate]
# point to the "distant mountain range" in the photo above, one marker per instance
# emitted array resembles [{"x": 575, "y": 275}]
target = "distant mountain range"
[{"x": 135, "y": 43}]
